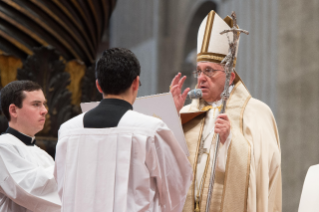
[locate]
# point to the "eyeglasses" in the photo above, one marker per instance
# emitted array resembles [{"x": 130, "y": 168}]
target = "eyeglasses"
[
  {"x": 207, "y": 72},
  {"x": 139, "y": 83}
]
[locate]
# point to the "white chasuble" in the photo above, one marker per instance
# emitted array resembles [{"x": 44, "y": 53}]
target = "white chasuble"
[
  {"x": 26, "y": 178},
  {"x": 251, "y": 180},
  {"x": 136, "y": 166}
]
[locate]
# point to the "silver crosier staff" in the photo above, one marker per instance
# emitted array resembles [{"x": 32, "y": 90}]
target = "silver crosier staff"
[{"x": 228, "y": 61}]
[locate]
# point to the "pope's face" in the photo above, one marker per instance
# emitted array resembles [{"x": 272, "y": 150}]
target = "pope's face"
[
  {"x": 212, "y": 86},
  {"x": 31, "y": 116}
]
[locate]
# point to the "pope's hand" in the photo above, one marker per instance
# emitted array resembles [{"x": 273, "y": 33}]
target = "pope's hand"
[
  {"x": 222, "y": 126},
  {"x": 176, "y": 90}
]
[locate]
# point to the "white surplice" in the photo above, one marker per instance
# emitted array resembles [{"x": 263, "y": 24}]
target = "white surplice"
[
  {"x": 26, "y": 178},
  {"x": 136, "y": 166},
  {"x": 309, "y": 200}
]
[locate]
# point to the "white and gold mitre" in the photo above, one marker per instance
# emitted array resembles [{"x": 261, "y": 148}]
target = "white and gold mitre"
[{"x": 211, "y": 45}]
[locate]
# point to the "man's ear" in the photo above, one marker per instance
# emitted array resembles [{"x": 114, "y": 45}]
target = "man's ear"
[
  {"x": 13, "y": 111},
  {"x": 232, "y": 77},
  {"x": 98, "y": 86},
  {"x": 135, "y": 84}
]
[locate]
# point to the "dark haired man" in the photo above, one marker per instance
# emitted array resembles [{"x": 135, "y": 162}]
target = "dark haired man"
[
  {"x": 26, "y": 172},
  {"x": 114, "y": 159}
]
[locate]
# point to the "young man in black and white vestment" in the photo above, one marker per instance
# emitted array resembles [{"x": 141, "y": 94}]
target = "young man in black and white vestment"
[
  {"x": 26, "y": 171},
  {"x": 115, "y": 159}
]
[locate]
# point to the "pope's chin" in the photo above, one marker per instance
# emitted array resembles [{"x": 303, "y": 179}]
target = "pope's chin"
[
  {"x": 205, "y": 96},
  {"x": 205, "y": 91}
]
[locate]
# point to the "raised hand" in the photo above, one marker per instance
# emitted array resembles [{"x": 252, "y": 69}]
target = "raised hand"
[{"x": 176, "y": 91}]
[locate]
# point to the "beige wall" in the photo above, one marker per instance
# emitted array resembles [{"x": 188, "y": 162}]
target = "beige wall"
[{"x": 297, "y": 93}]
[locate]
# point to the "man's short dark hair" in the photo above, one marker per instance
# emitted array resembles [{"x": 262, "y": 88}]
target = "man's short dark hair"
[
  {"x": 116, "y": 70},
  {"x": 13, "y": 94}
]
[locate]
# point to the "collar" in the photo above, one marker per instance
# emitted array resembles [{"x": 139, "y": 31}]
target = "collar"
[
  {"x": 27, "y": 140},
  {"x": 116, "y": 102},
  {"x": 216, "y": 103}
]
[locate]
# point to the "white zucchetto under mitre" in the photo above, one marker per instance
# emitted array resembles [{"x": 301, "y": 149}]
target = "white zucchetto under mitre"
[{"x": 211, "y": 45}]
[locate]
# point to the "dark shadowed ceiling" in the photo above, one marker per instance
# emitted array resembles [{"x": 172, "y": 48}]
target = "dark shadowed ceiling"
[{"x": 73, "y": 27}]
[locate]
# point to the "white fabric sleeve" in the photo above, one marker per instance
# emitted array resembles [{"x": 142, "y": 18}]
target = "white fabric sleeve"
[
  {"x": 222, "y": 154},
  {"x": 170, "y": 167},
  {"x": 59, "y": 168},
  {"x": 27, "y": 184}
]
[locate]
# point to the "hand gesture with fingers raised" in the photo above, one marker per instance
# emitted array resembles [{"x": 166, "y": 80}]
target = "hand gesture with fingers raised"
[{"x": 176, "y": 91}]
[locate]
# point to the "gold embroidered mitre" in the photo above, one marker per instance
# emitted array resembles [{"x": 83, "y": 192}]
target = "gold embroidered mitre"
[{"x": 211, "y": 45}]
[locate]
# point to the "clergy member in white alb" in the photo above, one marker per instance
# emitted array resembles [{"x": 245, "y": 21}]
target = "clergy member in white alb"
[
  {"x": 27, "y": 183},
  {"x": 248, "y": 171},
  {"x": 309, "y": 200},
  {"x": 115, "y": 159}
]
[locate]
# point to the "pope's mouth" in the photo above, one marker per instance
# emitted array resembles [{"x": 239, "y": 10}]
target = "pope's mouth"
[{"x": 203, "y": 88}]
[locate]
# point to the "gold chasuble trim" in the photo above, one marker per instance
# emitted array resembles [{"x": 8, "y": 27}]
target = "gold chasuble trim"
[
  {"x": 237, "y": 166},
  {"x": 193, "y": 130},
  {"x": 249, "y": 152},
  {"x": 195, "y": 159},
  {"x": 208, "y": 30}
]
